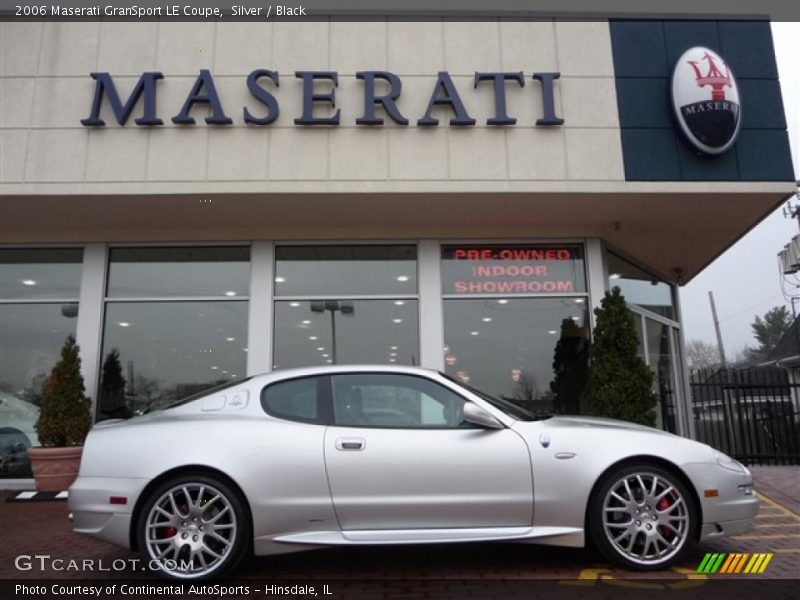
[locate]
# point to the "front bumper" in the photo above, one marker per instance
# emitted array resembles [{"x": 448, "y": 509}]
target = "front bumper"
[
  {"x": 732, "y": 510},
  {"x": 94, "y": 515}
]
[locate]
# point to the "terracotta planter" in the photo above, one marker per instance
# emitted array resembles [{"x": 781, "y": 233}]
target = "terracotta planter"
[{"x": 54, "y": 469}]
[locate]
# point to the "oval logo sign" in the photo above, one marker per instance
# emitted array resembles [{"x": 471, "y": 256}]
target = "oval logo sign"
[{"x": 705, "y": 99}]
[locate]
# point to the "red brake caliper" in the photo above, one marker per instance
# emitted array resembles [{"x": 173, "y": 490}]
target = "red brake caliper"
[
  {"x": 170, "y": 532},
  {"x": 663, "y": 504}
]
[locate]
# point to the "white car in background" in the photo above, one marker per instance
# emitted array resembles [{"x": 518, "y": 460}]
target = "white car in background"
[{"x": 360, "y": 455}]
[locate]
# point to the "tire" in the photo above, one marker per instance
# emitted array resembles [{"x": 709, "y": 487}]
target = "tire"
[
  {"x": 642, "y": 517},
  {"x": 199, "y": 527}
]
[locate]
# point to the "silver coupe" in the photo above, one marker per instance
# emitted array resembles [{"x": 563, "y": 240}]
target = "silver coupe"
[{"x": 360, "y": 455}]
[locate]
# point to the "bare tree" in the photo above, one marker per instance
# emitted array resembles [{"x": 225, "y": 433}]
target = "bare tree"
[{"x": 702, "y": 355}]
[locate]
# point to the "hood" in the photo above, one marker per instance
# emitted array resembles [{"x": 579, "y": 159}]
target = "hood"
[{"x": 602, "y": 423}]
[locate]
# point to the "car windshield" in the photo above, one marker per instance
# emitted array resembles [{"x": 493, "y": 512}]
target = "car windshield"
[
  {"x": 512, "y": 410},
  {"x": 195, "y": 396}
]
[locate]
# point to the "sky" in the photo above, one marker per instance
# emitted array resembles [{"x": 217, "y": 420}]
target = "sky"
[{"x": 745, "y": 280}]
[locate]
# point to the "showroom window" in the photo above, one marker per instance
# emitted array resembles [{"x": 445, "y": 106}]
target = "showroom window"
[
  {"x": 516, "y": 322},
  {"x": 175, "y": 324},
  {"x": 651, "y": 300},
  {"x": 39, "y": 291},
  {"x": 345, "y": 304}
]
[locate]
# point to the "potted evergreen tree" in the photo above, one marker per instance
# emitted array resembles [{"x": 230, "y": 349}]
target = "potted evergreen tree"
[
  {"x": 63, "y": 423},
  {"x": 620, "y": 384}
]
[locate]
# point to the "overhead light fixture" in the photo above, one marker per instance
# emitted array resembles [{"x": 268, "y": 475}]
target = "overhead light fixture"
[
  {"x": 280, "y": 279},
  {"x": 399, "y": 302},
  {"x": 321, "y": 348},
  {"x": 325, "y": 355},
  {"x": 124, "y": 324},
  {"x": 397, "y": 320},
  {"x": 392, "y": 347},
  {"x": 230, "y": 293},
  {"x": 502, "y": 301},
  {"x": 552, "y": 332},
  {"x": 28, "y": 282},
  {"x": 580, "y": 300},
  {"x": 230, "y": 339},
  {"x": 294, "y": 304},
  {"x": 487, "y": 319},
  {"x": 214, "y": 368},
  {"x": 402, "y": 278},
  {"x": 615, "y": 276},
  {"x": 305, "y": 322},
  {"x": 474, "y": 332},
  {"x": 313, "y": 338},
  {"x": 393, "y": 354}
]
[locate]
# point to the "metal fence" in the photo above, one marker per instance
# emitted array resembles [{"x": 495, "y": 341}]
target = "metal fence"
[{"x": 752, "y": 415}]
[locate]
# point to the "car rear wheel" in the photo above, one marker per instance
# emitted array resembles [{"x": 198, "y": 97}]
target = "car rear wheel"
[
  {"x": 642, "y": 517},
  {"x": 193, "y": 527}
]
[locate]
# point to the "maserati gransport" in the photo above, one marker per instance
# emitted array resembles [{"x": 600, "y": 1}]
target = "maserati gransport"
[{"x": 360, "y": 455}]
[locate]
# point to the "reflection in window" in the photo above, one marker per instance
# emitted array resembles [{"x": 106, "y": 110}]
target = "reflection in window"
[
  {"x": 661, "y": 363},
  {"x": 639, "y": 287},
  {"x": 40, "y": 273},
  {"x": 319, "y": 332},
  {"x": 147, "y": 272},
  {"x": 390, "y": 400},
  {"x": 532, "y": 351},
  {"x": 345, "y": 270},
  {"x": 295, "y": 400},
  {"x": 31, "y": 337},
  {"x": 155, "y": 353}
]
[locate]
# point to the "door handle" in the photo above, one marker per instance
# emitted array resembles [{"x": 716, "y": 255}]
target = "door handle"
[{"x": 350, "y": 443}]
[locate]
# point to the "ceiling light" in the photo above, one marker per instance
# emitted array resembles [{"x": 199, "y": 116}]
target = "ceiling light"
[
  {"x": 399, "y": 302},
  {"x": 225, "y": 372},
  {"x": 392, "y": 347},
  {"x": 552, "y": 332},
  {"x": 393, "y": 354},
  {"x": 230, "y": 339},
  {"x": 614, "y": 276},
  {"x": 294, "y": 304},
  {"x": 214, "y": 368},
  {"x": 402, "y": 278},
  {"x": 394, "y": 360},
  {"x": 321, "y": 348},
  {"x": 397, "y": 320},
  {"x": 28, "y": 282},
  {"x": 245, "y": 349},
  {"x": 502, "y": 301},
  {"x": 312, "y": 337},
  {"x": 230, "y": 293},
  {"x": 280, "y": 279},
  {"x": 329, "y": 361},
  {"x": 306, "y": 322},
  {"x": 487, "y": 319},
  {"x": 474, "y": 332},
  {"x": 124, "y": 324},
  {"x": 580, "y": 300},
  {"x": 325, "y": 355}
]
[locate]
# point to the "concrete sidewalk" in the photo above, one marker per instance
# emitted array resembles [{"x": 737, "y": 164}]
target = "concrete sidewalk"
[{"x": 781, "y": 484}]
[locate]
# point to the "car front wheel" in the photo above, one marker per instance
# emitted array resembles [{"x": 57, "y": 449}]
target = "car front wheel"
[
  {"x": 193, "y": 527},
  {"x": 642, "y": 517}
]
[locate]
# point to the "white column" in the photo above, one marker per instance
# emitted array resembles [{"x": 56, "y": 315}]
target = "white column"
[
  {"x": 259, "y": 320},
  {"x": 89, "y": 330},
  {"x": 431, "y": 324},
  {"x": 597, "y": 277}
]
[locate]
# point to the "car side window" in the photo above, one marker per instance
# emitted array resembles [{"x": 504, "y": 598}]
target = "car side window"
[
  {"x": 394, "y": 401},
  {"x": 294, "y": 399}
]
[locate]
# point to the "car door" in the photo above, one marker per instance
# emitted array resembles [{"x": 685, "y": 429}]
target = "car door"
[{"x": 399, "y": 456}]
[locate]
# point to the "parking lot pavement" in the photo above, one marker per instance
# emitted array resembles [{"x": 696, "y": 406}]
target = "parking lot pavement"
[{"x": 38, "y": 528}]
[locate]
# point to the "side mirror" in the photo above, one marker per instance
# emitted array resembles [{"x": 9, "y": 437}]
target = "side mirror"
[{"x": 477, "y": 416}]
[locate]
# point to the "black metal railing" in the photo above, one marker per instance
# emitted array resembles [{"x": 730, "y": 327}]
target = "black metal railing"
[{"x": 752, "y": 415}]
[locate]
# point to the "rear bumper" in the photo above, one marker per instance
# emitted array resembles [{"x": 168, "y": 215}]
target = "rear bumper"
[{"x": 94, "y": 515}]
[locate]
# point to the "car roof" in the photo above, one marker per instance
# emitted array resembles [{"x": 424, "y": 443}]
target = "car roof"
[{"x": 333, "y": 369}]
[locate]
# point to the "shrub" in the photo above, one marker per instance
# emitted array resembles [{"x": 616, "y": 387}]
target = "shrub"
[{"x": 65, "y": 416}]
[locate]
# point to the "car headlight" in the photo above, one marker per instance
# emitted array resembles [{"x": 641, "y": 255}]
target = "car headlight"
[{"x": 731, "y": 464}]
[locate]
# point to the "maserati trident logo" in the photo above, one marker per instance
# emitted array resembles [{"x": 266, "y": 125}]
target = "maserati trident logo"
[{"x": 705, "y": 99}]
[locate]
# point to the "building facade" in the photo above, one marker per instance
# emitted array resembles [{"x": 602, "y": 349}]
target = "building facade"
[{"x": 199, "y": 202}]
